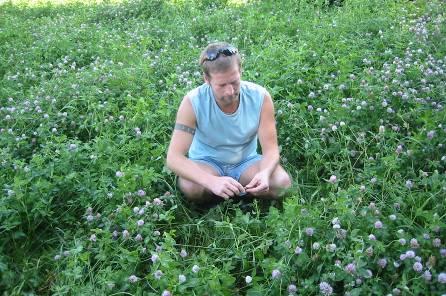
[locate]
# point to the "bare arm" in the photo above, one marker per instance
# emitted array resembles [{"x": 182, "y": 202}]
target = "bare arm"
[
  {"x": 268, "y": 137},
  {"x": 179, "y": 145},
  {"x": 178, "y": 162},
  {"x": 270, "y": 148}
]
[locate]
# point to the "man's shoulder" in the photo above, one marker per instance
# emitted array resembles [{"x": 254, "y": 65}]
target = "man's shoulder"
[
  {"x": 252, "y": 87},
  {"x": 193, "y": 93}
]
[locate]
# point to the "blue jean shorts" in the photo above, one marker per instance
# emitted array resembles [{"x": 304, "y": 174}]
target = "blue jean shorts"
[{"x": 230, "y": 170}]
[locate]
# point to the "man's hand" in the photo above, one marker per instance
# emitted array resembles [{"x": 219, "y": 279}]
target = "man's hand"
[
  {"x": 259, "y": 184},
  {"x": 225, "y": 187}
]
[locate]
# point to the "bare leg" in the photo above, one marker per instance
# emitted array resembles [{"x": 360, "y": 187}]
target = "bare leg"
[
  {"x": 278, "y": 182},
  {"x": 195, "y": 192}
]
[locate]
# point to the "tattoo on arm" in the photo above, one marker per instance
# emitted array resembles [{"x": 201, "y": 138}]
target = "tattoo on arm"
[{"x": 184, "y": 128}]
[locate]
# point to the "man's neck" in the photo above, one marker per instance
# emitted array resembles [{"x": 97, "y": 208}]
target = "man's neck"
[{"x": 229, "y": 108}]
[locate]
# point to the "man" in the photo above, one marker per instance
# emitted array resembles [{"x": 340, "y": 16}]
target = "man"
[{"x": 218, "y": 124}]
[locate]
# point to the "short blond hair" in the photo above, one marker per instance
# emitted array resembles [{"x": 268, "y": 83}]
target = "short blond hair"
[{"x": 222, "y": 63}]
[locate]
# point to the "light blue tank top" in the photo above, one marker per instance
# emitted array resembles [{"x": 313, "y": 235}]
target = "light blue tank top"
[{"x": 228, "y": 138}]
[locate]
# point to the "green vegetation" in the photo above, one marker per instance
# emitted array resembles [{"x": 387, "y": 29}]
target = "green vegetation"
[{"x": 88, "y": 97}]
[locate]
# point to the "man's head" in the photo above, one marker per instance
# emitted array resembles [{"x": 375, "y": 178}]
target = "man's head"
[
  {"x": 219, "y": 57},
  {"x": 221, "y": 65}
]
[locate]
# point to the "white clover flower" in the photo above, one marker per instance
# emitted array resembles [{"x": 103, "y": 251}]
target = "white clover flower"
[
  {"x": 331, "y": 248},
  {"x": 392, "y": 217},
  {"x": 436, "y": 242},
  {"x": 125, "y": 234},
  {"x": 119, "y": 174},
  {"x": 325, "y": 289},
  {"x": 133, "y": 278},
  {"x": 154, "y": 258},
  {"x": 57, "y": 257},
  {"x": 309, "y": 231},
  {"x": 350, "y": 268},
  {"x": 372, "y": 237},
  {"x": 442, "y": 278},
  {"x": 335, "y": 221},
  {"x": 316, "y": 246},
  {"x": 382, "y": 262},
  {"x": 275, "y": 274},
  {"x": 138, "y": 237},
  {"x": 292, "y": 289},
  {"x": 414, "y": 243},
  {"x": 183, "y": 253},
  {"x": 140, "y": 223},
  {"x": 378, "y": 225},
  {"x": 410, "y": 254},
  {"x": 427, "y": 276},
  {"x": 418, "y": 267},
  {"x": 430, "y": 135},
  {"x": 93, "y": 238},
  {"x": 166, "y": 293},
  {"x": 298, "y": 250},
  {"x": 248, "y": 279},
  {"x": 195, "y": 268},
  {"x": 158, "y": 274},
  {"x": 157, "y": 202},
  {"x": 409, "y": 184},
  {"x": 141, "y": 193},
  {"x": 332, "y": 179},
  {"x": 181, "y": 278}
]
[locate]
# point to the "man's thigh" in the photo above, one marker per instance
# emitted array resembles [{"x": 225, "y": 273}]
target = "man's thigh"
[{"x": 190, "y": 187}]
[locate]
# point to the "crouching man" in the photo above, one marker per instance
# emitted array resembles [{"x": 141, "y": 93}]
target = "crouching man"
[{"x": 218, "y": 125}]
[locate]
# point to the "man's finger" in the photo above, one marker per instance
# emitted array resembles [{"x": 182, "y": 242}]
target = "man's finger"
[
  {"x": 252, "y": 183},
  {"x": 258, "y": 188},
  {"x": 229, "y": 192},
  {"x": 239, "y": 186},
  {"x": 224, "y": 196},
  {"x": 232, "y": 190}
]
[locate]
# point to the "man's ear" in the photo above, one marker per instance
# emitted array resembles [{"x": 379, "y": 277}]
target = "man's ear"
[{"x": 206, "y": 78}]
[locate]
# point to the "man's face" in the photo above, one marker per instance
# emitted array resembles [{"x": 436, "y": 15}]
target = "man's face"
[{"x": 225, "y": 85}]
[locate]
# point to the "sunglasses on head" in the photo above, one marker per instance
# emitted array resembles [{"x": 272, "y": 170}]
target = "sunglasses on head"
[{"x": 213, "y": 54}]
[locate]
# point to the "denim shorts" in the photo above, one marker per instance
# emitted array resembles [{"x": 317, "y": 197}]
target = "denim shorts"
[{"x": 230, "y": 170}]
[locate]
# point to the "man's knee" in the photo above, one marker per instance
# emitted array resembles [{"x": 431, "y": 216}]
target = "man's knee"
[
  {"x": 281, "y": 179},
  {"x": 284, "y": 181},
  {"x": 190, "y": 189},
  {"x": 193, "y": 191}
]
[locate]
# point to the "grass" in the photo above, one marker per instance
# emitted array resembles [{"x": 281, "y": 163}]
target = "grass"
[{"x": 89, "y": 89}]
